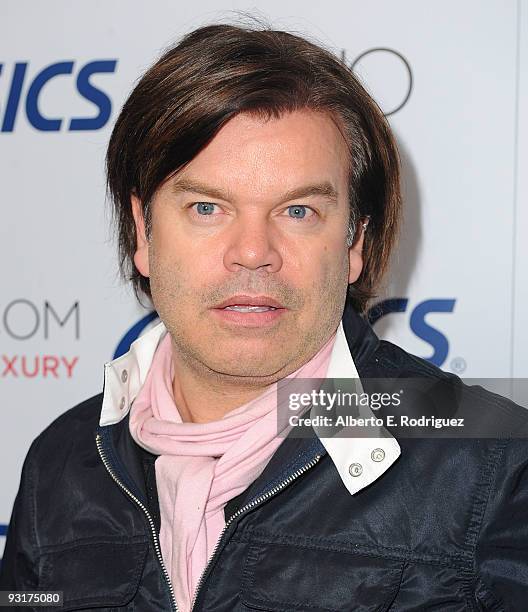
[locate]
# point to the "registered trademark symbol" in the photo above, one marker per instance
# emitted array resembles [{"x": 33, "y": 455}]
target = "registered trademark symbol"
[{"x": 458, "y": 365}]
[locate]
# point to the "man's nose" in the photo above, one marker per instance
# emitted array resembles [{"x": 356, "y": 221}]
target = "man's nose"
[{"x": 253, "y": 244}]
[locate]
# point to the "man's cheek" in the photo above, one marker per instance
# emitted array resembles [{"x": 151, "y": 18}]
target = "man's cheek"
[
  {"x": 165, "y": 280},
  {"x": 323, "y": 273}
]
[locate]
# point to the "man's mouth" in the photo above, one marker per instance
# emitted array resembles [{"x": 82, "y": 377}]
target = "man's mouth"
[
  {"x": 250, "y": 311},
  {"x": 250, "y": 303},
  {"x": 249, "y": 308}
]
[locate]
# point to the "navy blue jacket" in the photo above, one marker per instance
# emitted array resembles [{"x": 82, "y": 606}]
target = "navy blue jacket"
[{"x": 445, "y": 528}]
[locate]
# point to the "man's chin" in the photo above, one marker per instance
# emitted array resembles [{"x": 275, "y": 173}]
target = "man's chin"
[
  {"x": 251, "y": 376},
  {"x": 247, "y": 364}
]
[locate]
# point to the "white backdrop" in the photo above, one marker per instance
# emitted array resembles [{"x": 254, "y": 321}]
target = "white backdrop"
[{"x": 462, "y": 265}]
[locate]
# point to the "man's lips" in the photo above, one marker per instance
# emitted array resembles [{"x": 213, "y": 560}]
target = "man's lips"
[
  {"x": 250, "y": 310},
  {"x": 250, "y": 300}
]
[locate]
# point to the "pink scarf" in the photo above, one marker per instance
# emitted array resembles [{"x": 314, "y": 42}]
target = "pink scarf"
[{"x": 203, "y": 465}]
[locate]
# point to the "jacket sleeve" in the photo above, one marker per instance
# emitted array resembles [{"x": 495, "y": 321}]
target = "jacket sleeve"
[
  {"x": 18, "y": 569},
  {"x": 501, "y": 552}
]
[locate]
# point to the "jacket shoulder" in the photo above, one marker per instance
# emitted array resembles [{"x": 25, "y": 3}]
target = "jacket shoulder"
[
  {"x": 73, "y": 426},
  {"x": 81, "y": 415},
  {"x": 84, "y": 412},
  {"x": 391, "y": 356},
  {"x": 468, "y": 397}
]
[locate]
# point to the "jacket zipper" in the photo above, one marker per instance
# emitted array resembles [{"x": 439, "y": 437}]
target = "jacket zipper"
[
  {"x": 252, "y": 504},
  {"x": 147, "y": 514}
]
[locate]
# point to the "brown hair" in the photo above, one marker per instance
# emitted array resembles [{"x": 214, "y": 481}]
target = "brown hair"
[{"x": 220, "y": 70}]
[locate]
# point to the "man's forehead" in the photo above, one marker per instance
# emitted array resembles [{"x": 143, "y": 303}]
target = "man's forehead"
[
  {"x": 293, "y": 139},
  {"x": 295, "y": 155}
]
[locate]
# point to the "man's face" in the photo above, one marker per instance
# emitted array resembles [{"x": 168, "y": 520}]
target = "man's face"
[{"x": 261, "y": 211}]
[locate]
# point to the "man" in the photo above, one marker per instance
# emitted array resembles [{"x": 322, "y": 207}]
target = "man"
[{"x": 256, "y": 192}]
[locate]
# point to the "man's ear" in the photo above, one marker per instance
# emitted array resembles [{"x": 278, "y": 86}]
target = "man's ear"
[
  {"x": 355, "y": 255},
  {"x": 141, "y": 259}
]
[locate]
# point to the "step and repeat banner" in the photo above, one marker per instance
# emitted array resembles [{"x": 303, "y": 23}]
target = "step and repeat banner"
[{"x": 450, "y": 76}]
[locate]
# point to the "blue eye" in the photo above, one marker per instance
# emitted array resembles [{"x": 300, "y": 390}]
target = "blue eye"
[
  {"x": 297, "y": 211},
  {"x": 204, "y": 207}
]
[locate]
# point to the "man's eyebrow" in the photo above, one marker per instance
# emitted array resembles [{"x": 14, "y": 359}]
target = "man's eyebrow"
[
  {"x": 324, "y": 189},
  {"x": 182, "y": 185}
]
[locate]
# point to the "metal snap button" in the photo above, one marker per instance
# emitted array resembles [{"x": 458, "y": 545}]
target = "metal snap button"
[
  {"x": 355, "y": 469},
  {"x": 378, "y": 454},
  {"x": 124, "y": 376}
]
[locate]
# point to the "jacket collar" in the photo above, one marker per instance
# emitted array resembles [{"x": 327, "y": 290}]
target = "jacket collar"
[{"x": 359, "y": 460}]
